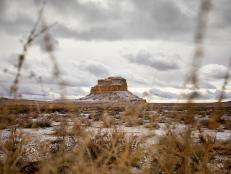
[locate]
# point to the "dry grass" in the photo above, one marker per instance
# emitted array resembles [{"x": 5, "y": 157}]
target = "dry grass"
[{"x": 133, "y": 115}]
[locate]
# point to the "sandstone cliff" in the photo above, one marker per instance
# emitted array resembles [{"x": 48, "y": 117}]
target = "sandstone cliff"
[
  {"x": 111, "y": 89},
  {"x": 111, "y": 84}
]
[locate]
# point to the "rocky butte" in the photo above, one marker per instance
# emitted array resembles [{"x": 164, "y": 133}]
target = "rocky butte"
[
  {"x": 110, "y": 84},
  {"x": 111, "y": 89}
]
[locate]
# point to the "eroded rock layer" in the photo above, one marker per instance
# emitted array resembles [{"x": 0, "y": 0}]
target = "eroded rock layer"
[{"x": 111, "y": 84}]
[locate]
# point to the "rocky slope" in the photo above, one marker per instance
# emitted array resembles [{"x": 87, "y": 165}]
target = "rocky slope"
[{"x": 115, "y": 96}]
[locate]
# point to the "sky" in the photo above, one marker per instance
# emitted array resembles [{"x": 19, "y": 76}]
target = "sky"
[{"x": 148, "y": 42}]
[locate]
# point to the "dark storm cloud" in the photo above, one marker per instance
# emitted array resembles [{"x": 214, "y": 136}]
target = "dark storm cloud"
[
  {"x": 2, "y": 6},
  {"x": 158, "y": 61},
  {"x": 131, "y": 19},
  {"x": 147, "y": 20},
  {"x": 13, "y": 20},
  {"x": 160, "y": 15}
]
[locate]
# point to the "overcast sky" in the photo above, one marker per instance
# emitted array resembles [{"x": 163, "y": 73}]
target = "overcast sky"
[{"x": 148, "y": 42}]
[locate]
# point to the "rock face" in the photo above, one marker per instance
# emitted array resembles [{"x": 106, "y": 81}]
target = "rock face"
[
  {"x": 111, "y": 84},
  {"x": 111, "y": 89}
]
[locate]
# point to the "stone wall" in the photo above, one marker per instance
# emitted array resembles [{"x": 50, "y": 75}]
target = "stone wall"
[{"x": 111, "y": 84}]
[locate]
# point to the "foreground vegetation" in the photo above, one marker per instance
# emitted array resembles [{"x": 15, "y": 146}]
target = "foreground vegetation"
[{"x": 76, "y": 150}]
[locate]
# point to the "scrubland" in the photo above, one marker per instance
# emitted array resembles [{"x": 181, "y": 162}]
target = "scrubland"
[{"x": 68, "y": 138}]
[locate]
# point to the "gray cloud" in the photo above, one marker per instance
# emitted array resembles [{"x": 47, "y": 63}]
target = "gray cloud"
[
  {"x": 158, "y": 61},
  {"x": 214, "y": 71},
  {"x": 37, "y": 80},
  {"x": 206, "y": 84},
  {"x": 2, "y": 6},
  {"x": 96, "y": 69},
  {"x": 134, "y": 20},
  {"x": 221, "y": 17},
  {"x": 203, "y": 94},
  {"x": 213, "y": 94},
  {"x": 49, "y": 92},
  {"x": 20, "y": 25},
  {"x": 116, "y": 20},
  {"x": 54, "y": 43},
  {"x": 162, "y": 94}
]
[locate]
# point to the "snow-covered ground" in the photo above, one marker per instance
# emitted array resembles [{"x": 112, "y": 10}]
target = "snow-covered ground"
[
  {"x": 41, "y": 136},
  {"x": 111, "y": 97},
  {"x": 44, "y": 134}
]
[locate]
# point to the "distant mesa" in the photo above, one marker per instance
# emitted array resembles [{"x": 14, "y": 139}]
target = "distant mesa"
[{"x": 111, "y": 89}]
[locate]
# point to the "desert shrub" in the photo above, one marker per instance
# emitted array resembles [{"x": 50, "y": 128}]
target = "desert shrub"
[
  {"x": 225, "y": 121},
  {"x": 41, "y": 123},
  {"x": 23, "y": 109},
  {"x": 102, "y": 153},
  {"x": 227, "y": 124},
  {"x": 115, "y": 150},
  {"x": 29, "y": 168},
  {"x": 25, "y": 123},
  {"x": 179, "y": 153},
  {"x": 133, "y": 115},
  {"x": 222, "y": 156},
  {"x": 107, "y": 120},
  {"x": 152, "y": 125},
  {"x": 7, "y": 120},
  {"x": 78, "y": 127},
  {"x": 97, "y": 115},
  {"x": 11, "y": 153},
  {"x": 86, "y": 122}
]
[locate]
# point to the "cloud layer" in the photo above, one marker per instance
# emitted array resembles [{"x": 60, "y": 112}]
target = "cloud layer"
[{"x": 158, "y": 61}]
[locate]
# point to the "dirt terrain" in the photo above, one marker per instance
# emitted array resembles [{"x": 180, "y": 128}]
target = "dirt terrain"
[{"x": 50, "y": 124}]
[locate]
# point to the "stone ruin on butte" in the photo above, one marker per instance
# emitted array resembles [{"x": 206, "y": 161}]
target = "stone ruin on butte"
[{"x": 111, "y": 89}]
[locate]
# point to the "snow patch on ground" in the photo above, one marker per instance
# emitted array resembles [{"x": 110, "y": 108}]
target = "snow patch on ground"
[
  {"x": 42, "y": 136},
  {"x": 111, "y": 96}
]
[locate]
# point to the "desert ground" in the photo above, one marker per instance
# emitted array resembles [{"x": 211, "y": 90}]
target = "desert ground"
[{"x": 35, "y": 132}]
